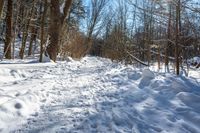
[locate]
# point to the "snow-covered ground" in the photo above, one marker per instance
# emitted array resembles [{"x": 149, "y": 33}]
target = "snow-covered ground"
[{"x": 96, "y": 95}]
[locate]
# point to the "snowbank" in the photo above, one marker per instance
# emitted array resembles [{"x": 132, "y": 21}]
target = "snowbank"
[
  {"x": 195, "y": 61},
  {"x": 148, "y": 74},
  {"x": 96, "y": 95},
  {"x": 14, "y": 110}
]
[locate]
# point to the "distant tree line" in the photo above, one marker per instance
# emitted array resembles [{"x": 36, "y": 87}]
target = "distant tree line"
[{"x": 48, "y": 21}]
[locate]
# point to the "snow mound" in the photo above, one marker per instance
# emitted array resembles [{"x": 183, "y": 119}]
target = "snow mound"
[
  {"x": 177, "y": 87},
  {"x": 14, "y": 110},
  {"x": 148, "y": 74},
  {"x": 46, "y": 58},
  {"x": 195, "y": 61},
  {"x": 7, "y": 74},
  {"x": 147, "y": 77},
  {"x": 96, "y": 95},
  {"x": 69, "y": 59},
  {"x": 190, "y": 99}
]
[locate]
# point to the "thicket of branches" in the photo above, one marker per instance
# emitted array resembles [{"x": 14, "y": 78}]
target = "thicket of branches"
[{"x": 133, "y": 31}]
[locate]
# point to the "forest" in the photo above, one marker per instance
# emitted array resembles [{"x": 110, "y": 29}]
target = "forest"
[
  {"x": 105, "y": 66},
  {"x": 131, "y": 31}
]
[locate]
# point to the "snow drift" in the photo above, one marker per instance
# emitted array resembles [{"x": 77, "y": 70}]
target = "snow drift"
[{"x": 96, "y": 95}]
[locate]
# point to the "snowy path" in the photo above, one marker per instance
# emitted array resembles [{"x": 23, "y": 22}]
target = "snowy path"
[{"x": 95, "y": 95}]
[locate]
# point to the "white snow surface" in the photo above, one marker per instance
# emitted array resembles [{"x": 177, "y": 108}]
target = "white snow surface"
[
  {"x": 95, "y": 95},
  {"x": 195, "y": 59}
]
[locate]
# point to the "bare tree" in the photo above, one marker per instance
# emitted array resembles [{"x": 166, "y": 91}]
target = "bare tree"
[
  {"x": 42, "y": 26},
  {"x": 167, "y": 49},
  {"x": 177, "y": 34},
  {"x": 94, "y": 17},
  {"x": 26, "y": 29},
  {"x": 57, "y": 20},
  {"x": 15, "y": 24},
  {"x": 8, "y": 40},
  {"x": 1, "y": 6},
  {"x": 33, "y": 31}
]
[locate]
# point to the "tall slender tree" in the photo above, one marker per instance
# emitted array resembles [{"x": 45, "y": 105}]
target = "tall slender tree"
[
  {"x": 95, "y": 14},
  {"x": 26, "y": 30},
  {"x": 1, "y": 6},
  {"x": 8, "y": 40},
  {"x": 167, "y": 48},
  {"x": 177, "y": 33},
  {"x": 42, "y": 26}
]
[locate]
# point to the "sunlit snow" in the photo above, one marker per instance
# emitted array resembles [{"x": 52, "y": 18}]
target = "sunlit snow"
[{"x": 96, "y": 95}]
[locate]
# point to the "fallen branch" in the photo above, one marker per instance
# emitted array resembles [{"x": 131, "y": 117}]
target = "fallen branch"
[{"x": 136, "y": 59}]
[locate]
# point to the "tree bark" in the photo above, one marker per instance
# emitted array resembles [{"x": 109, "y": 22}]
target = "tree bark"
[
  {"x": 1, "y": 6},
  {"x": 168, "y": 37},
  {"x": 42, "y": 30},
  {"x": 56, "y": 22},
  {"x": 25, "y": 32},
  {"x": 8, "y": 41},
  {"x": 177, "y": 37},
  {"x": 34, "y": 31},
  {"x": 159, "y": 53},
  {"x": 33, "y": 38},
  {"x": 15, "y": 27},
  {"x": 54, "y": 29}
]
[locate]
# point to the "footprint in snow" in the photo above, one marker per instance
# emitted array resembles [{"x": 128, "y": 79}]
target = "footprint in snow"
[
  {"x": 15, "y": 82},
  {"x": 35, "y": 114},
  {"x": 18, "y": 105},
  {"x": 17, "y": 94},
  {"x": 43, "y": 100}
]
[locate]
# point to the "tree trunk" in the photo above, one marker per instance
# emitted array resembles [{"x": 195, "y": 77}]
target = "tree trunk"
[
  {"x": 15, "y": 27},
  {"x": 177, "y": 37},
  {"x": 25, "y": 32},
  {"x": 42, "y": 31},
  {"x": 8, "y": 41},
  {"x": 168, "y": 41},
  {"x": 159, "y": 53},
  {"x": 33, "y": 38},
  {"x": 54, "y": 29},
  {"x": 1, "y": 6},
  {"x": 56, "y": 23}
]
